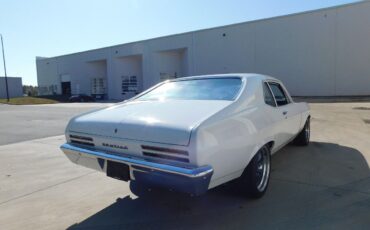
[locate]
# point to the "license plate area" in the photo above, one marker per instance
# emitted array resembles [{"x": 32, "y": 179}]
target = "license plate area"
[{"x": 118, "y": 170}]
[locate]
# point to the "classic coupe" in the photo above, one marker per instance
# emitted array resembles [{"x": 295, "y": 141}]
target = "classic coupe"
[{"x": 192, "y": 134}]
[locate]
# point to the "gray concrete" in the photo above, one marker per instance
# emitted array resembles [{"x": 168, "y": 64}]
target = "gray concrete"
[
  {"x": 323, "y": 186},
  {"x": 20, "y": 123}
]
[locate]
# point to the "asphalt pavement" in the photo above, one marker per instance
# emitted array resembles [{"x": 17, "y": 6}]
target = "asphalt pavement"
[{"x": 21, "y": 123}]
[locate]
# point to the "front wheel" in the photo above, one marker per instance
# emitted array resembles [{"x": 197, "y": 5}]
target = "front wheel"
[{"x": 255, "y": 178}]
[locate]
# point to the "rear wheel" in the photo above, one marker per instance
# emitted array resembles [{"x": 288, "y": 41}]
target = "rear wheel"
[
  {"x": 255, "y": 178},
  {"x": 303, "y": 137}
]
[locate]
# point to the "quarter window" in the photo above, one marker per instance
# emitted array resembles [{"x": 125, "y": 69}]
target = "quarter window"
[
  {"x": 280, "y": 96},
  {"x": 269, "y": 99}
]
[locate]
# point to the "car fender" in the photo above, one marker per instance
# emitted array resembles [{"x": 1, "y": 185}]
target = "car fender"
[{"x": 259, "y": 146}]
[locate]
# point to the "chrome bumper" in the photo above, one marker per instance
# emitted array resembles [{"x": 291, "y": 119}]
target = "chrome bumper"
[{"x": 190, "y": 180}]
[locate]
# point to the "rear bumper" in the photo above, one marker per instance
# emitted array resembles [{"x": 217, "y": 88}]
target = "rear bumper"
[{"x": 189, "y": 180}]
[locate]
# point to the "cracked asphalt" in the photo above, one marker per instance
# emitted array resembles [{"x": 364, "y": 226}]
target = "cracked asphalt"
[{"x": 323, "y": 186}]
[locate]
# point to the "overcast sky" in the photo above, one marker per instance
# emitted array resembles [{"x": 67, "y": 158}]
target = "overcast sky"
[{"x": 50, "y": 28}]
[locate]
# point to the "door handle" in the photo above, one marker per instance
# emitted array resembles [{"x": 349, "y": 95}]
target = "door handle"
[{"x": 285, "y": 112}]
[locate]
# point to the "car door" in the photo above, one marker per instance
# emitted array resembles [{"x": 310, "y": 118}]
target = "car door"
[
  {"x": 285, "y": 111},
  {"x": 275, "y": 117},
  {"x": 294, "y": 115}
]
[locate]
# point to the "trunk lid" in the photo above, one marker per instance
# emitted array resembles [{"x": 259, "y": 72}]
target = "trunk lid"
[{"x": 167, "y": 122}]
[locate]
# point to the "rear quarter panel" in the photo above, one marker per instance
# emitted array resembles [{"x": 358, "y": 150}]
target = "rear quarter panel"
[
  {"x": 229, "y": 139},
  {"x": 303, "y": 109}
]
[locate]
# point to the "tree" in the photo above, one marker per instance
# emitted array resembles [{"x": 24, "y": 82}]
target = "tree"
[{"x": 30, "y": 90}]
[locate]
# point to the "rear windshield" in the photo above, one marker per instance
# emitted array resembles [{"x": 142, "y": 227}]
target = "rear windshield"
[{"x": 196, "y": 89}]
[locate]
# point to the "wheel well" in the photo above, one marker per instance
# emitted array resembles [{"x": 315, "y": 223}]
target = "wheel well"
[
  {"x": 270, "y": 144},
  {"x": 308, "y": 119}
]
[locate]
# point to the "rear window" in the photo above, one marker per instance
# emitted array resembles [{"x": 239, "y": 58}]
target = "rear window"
[{"x": 196, "y": 89}]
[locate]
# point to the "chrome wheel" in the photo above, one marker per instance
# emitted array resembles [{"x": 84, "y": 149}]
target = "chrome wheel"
[
  {"x": 263, "y": 169},
  {"x": 307, "y": 131},
  {"x": 255, "y": 178}
]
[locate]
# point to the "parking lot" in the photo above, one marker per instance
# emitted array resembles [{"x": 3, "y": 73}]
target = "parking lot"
[
  {"x": 21, "y": 123},
  {"x": 323, "y": 186}
]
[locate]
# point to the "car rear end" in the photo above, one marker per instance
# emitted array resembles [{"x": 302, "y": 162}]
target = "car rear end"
[
  {"x": 148, "y": 141},
  {"x": 149, "y": 163}
]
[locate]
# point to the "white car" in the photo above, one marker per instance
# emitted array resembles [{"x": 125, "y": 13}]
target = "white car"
[{"x": 192, "y": 134}]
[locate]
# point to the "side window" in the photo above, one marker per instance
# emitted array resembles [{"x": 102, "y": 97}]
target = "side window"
[
  {"x": 279, "y": 94},
  {"x": 269, "y": 99}
]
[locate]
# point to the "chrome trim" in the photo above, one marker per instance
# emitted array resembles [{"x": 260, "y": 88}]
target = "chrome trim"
[
  {"x": 82, "y": 142},
  {"x": 191, "y": 172},
  {"x": 78, "y": 137},
  {"x": 147, "y": 148},
  {"x": 165, "y": 156}
]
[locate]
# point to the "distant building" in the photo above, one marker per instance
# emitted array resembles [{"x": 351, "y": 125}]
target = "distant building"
[
  {"x": 324, "y": 52},
  {"x": 14, "y": 87}
]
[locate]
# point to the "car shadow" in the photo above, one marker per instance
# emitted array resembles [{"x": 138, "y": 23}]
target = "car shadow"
[{"x": 323, "y": 185}]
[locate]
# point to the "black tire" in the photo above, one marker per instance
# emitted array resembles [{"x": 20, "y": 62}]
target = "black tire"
[
  {"x": 303, "y": 138},
  {"x": 255, "y": 178}
]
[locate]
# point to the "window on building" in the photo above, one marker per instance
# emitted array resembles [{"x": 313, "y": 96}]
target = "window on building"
[
  {"x": 129, "y": 84},
  {"x": 98, "y": 86}
]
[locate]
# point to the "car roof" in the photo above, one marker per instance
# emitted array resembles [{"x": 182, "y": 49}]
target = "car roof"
[{"x": 228, "y": 75}]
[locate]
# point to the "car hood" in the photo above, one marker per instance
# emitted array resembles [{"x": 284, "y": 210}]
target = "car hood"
[{"x": 167, "y": 122}]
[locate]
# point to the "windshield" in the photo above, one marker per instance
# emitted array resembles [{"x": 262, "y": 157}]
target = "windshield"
[{"x": 196, "y": 89}]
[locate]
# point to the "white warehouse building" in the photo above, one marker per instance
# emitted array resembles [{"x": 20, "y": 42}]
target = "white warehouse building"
[
  {"x": 324, "y": 52},
  {"x": 15, "y": 88}
]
